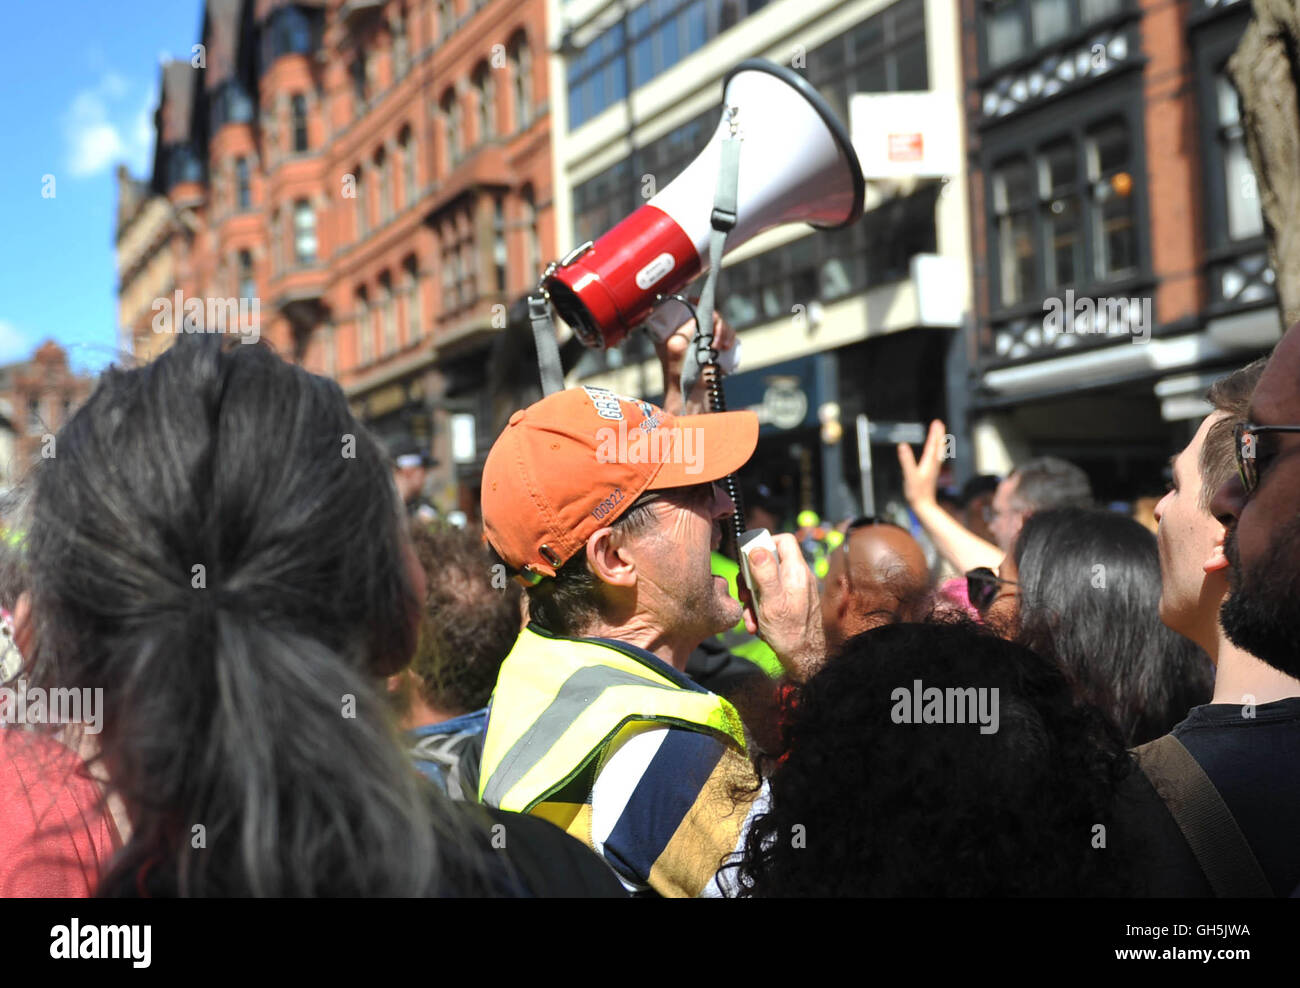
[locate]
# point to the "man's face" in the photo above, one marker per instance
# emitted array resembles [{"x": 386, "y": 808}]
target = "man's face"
[
  {"x": 1262, "y": 613},
  {"x": 1008, "y": 514},
  {"x": 1193, "y": 582},
  {"x": 410, "y": 481},
  {"x": 675, "y": 580}
]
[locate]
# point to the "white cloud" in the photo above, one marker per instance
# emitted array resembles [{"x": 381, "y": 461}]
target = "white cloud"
[
  {"x": 103, "y": 126},
  {"x": 14, "y": 344}
]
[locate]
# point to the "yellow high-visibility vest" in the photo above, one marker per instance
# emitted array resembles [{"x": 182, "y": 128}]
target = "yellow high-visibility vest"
[{"x": 558, "y": 704}]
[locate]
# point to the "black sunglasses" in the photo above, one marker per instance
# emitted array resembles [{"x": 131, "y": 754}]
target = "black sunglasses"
[
  {"x": 1243, "y": 445},
  {"x": 982, "y": 587}
]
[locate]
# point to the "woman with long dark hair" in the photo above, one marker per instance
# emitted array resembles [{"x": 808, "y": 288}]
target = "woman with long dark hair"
[
  {"x": 1082, "y": 588},
  {"x": 218, "y": 546}
]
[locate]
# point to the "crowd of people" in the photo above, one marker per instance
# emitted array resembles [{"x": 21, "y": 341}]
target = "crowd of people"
[{"x": 311, "y": 686}]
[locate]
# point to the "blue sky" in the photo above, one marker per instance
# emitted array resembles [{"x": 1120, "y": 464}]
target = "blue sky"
[{"x": 78, "y": 87}]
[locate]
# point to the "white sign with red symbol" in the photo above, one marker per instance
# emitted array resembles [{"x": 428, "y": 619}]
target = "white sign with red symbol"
[{"x": 906, "y": 135}]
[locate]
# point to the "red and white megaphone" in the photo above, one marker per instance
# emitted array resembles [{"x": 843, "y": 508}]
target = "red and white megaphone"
[{"x": 797, "y": 165}]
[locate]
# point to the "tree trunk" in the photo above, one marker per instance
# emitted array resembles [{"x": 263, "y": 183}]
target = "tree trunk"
[{"x": 1266, "y": 71}]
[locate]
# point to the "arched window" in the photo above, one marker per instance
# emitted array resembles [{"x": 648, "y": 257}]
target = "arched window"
[
  {"x": 452, "y": 120},
  {"x": 365, "y": 332},
  {"x": 298, "y": 116},
  {"x": 499, "y": 253},
  {"x": 247, "y": 284},
  {"x": 244, "y": 195},
  {"x": 521, "y": 77},
  {"x": 485, "y": 93},
  {"x": 406, "y": 151},
  {"x": 411, "y": 273},
  {"x": 384, "y": 169},
  {"x": 388, "y": 313},
  {"x": 362, "y": 217}
]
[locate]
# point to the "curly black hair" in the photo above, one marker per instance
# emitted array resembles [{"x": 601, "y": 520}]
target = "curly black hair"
[{"x": 863, "y": 805}]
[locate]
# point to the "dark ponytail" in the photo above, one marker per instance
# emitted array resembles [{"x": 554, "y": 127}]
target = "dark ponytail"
[{"x": 218, "y": 546}]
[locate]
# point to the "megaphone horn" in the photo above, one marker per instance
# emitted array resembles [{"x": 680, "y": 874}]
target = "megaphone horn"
[{"x": 797, "y": 166}]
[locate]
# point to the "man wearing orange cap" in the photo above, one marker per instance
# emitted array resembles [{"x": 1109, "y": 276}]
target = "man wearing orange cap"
[{"x": 607, "y": 509}]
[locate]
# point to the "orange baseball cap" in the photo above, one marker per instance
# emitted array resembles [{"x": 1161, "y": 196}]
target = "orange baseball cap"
[{"x": 576, "y": 460}]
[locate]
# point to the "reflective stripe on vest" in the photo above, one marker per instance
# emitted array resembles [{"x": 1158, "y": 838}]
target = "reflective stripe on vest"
[{"x": 559, "y": 701}]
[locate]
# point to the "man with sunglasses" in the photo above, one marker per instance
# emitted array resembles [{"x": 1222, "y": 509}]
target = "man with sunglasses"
[
  {"x": 606, "y": 509},
  {"x": 1254, "y": 768}
]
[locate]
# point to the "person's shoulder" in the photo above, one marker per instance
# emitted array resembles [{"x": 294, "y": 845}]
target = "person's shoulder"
[
  {"x": 552, "y": 863},
  {"x": 54, "y": 830}
]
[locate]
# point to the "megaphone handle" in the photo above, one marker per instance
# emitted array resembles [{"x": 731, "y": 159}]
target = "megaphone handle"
[{"x": 718, "y": 403}]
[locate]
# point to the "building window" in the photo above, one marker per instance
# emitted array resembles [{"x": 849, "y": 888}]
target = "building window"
[
  {"x": 247, "y": 284},
  {"x": 1013, "y": 28},
  {"x": 401, "y": 48},
  {"x": 533, "y": 253},
  {"x": 362, "y": 215},
  {"x": 304, "y": 232},
  {"x": 410, "y": 190},
  {"x": 1071, "y": 203},
  {"x": 288, "y": 31},
  {"x": 446, "y": 18},
  {"x": 884, "y": 54},
  {"x": 410, "y": 270},
  {"x": 499, "y": 252},
  {"x": 1014, "y": 229},
  {"x": 298, "y": 121},
  {"x": 1243, "y": 214},
  {"x": 459, "y": 265},
  {"x": 388, "y": 313},
  {"x": 1058, "y": 178},
  {"x": 451, "y": 115},
  {"x": 485, "y": 93},
  {"x": 521, "y": 75},
  {"x": 243, "y": 189},
  {"x": 603, "y": 200},
  {"x": 383, "y": 168},
  {"x": 660, "y": 33},
  {"x": 365, "y": 338},
  {"x": 1111, "y": 184},
  {"x": 360, "y": 86},
  {"x": 277, "y": 260}
]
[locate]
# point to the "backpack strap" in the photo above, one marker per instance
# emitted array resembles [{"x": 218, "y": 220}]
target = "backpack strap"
[{"x": 1203, "y": 817}]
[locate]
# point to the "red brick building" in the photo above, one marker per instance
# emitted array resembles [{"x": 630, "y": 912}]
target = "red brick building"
[
  {"x": 378, "y": 176},
  {"x": 37, "y": 397}
]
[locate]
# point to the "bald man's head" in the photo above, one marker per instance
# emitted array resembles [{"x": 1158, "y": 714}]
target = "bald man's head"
[{"x": 878, "y": 576}]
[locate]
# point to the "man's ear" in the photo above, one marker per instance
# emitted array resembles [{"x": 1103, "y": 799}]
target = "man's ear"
[
  {"x": 1217, "y": 560},
  {"x": 610, "y": 562},
  {"x": 845, "y": 599}
]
